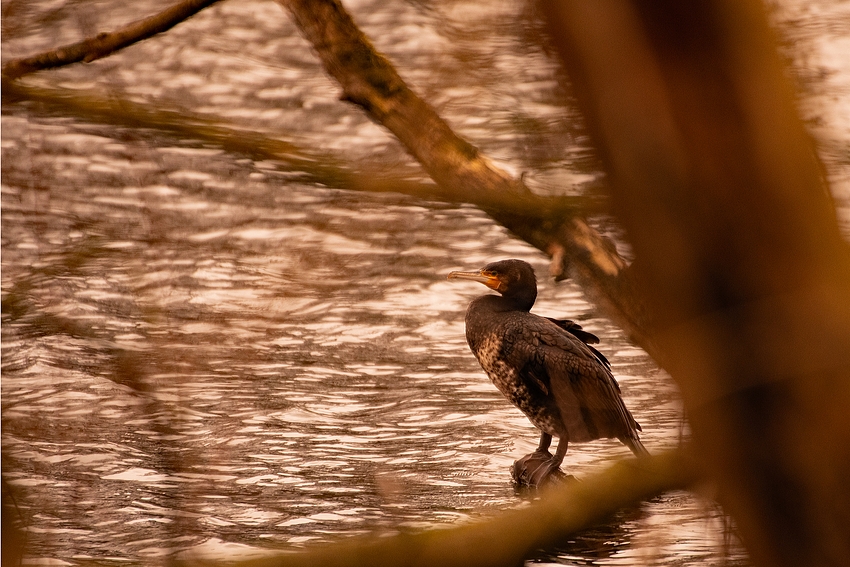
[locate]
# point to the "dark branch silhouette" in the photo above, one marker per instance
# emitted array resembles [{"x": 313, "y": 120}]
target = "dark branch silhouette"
[
  {"x": 740, "y": 256},
  {"x": 106, "y": 43}
]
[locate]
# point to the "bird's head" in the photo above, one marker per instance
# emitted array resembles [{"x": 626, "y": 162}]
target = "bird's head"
[{"x": 514, "y": 279}]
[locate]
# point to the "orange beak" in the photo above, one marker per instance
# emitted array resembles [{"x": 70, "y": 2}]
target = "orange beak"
[{"x": 487, "y": 278}]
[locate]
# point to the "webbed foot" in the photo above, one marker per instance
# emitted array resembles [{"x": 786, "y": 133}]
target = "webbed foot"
[{"x": 537, "y": 469}]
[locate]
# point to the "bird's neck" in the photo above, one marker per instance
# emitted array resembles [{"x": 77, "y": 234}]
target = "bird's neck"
[
  {"x": 487, "y": 314},
  {"x": 502, "y": 303},
  {"x": 520, "y": 301}
]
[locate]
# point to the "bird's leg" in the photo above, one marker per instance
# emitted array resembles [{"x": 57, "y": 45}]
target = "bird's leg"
[
  {"x": 545, "y": 441},
  {"x": 560, "y": 452},
  {"x": 536, "y": 469},
  {"x": 551, "y": 468}
]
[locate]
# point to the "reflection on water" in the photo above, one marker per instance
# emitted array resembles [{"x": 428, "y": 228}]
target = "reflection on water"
[{"x": 202, "y": 355}]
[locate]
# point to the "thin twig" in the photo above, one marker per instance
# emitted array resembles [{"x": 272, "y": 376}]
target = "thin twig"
[{"x": 104, "y": 44}]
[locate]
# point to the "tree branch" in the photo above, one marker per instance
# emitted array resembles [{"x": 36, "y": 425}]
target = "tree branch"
[
  {"x": 741, "y": 258},
  {"x": 508, "y": 538},
  {"x": 104, "y": 44},
  {"x": 316, "y": 167},
  {"x": 369, "y": 80}
]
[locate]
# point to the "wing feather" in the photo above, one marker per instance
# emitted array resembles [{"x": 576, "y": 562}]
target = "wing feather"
[{"x": 568, "y": 370}]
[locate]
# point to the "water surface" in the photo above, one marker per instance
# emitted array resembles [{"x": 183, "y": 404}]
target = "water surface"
[{"x": 203, "y": 354}]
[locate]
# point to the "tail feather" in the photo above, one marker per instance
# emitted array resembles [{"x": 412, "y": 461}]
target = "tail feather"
[{"x": 636, "y": 446}]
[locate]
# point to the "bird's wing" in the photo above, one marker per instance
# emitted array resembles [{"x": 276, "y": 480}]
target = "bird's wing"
[
  {"x": 575, "y": 329},
  {"x": 585, "y": 392},
  {"x": 587, "y": 338}
]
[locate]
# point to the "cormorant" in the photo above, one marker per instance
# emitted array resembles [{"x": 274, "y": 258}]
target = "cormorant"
[{"x": 546, "y": 367}]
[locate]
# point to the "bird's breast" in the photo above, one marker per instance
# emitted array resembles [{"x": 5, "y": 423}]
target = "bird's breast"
[{"x": 509, "y": 380}]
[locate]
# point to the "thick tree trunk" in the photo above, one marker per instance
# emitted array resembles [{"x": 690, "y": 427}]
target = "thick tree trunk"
[{"x": 739, "y": 252}]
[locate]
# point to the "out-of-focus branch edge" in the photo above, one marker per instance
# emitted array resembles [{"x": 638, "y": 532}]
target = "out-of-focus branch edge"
[
  {"x": 508, "y": 537},
  {"x": 106, "y": 43},
  {"x": 313, "y": 166}
]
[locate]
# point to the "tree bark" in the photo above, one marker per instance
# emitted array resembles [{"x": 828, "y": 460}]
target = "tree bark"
[{"x": 740, "y": 256}]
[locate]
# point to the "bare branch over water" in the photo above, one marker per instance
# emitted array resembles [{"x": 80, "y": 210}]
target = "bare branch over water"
[{"x": 105, "y": 43}]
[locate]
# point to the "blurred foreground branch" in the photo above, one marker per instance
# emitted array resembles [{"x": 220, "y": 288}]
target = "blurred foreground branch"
[
  {"x": 740, "y": 257},
  {"x": 508, "y": 538},
  {"x": 315, "y": 167},
  {"x": 106, "y": 43}
]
